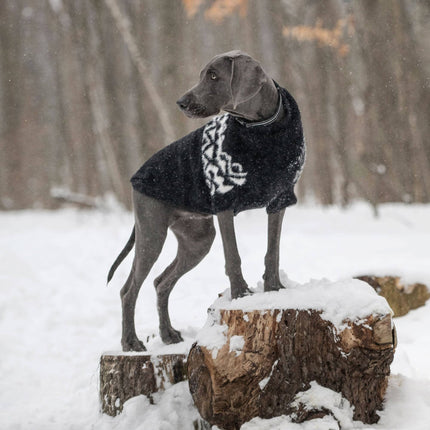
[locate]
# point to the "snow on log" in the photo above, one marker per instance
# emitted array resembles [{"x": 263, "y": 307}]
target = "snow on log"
[
  {"x": 257, "y": 356},
  {"x": 126, "y": 375},
  {"x": 401, "y": 298}
]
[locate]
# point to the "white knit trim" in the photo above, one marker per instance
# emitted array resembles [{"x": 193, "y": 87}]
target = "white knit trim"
[{"x": 221, "y": 173}]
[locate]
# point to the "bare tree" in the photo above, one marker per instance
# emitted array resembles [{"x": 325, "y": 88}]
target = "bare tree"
[{"x": 87, "y": 90}]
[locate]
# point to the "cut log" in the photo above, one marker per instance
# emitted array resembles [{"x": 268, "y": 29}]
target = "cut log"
[
  {"x": 123, "y": 376},
  {"x": 248, "y": 363},
  {"x": 401, "y": 298}
]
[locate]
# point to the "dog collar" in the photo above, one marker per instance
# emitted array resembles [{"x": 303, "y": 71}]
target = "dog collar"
[{"x": 267, "y": 121}]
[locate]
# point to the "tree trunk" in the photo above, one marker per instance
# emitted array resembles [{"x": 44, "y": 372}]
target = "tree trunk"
[
  {"x": 269, "y": 357},
  {"x": 125, "y": 376}
]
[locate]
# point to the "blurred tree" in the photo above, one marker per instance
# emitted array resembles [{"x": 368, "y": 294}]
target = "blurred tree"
[{"x": 88, "y": 90}]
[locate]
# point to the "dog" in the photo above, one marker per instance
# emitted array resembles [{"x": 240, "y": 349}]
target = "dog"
[{"x": 249, "y": 157}]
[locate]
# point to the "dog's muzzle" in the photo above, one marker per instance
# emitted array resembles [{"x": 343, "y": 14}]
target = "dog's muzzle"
[{"x": 191, "y": 108}]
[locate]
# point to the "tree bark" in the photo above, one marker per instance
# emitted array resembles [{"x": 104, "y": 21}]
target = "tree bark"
[
  {"x": 125, "y": 376},
  {"x": 280, "y": 353}
]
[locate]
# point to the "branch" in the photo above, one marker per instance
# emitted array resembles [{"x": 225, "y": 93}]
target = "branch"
[{"x": 123, "y": 25}]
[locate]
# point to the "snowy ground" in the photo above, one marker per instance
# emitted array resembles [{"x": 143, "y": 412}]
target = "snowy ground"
[{"x": 57, "y": 315}]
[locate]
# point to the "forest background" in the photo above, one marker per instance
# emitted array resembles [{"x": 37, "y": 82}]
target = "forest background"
[{"x": 88, "y": 91}]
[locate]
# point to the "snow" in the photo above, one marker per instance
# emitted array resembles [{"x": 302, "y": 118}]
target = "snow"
[
  {"x": 264, "y": 381},
  {"x": 213, "y": 335},
  {"x": 173, "y": 410},
  {"x": 318, "y": 397},
  {"x": 320, "y": 295},
  {"x": 340, "y": 302},
  {"x": 406, "y": 408},
  {"x": 236, "y": 344},
  {"x": 57, "y": 316}
]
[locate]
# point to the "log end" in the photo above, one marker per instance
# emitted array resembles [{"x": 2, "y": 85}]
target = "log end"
[
  {"x": 123, "y": 376},
  {"x": 401, "y": 297}
]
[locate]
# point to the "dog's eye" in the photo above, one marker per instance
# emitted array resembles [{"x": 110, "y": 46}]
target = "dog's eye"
[{"x": 213, "y": 76}]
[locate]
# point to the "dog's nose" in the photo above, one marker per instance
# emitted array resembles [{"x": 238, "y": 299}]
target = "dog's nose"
[{"x": 183, "y": 102}]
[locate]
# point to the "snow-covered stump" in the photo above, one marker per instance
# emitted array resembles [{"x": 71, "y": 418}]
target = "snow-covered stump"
[
  {"x": 123, "y": 376},
  {"x": 257, "y": 355}
]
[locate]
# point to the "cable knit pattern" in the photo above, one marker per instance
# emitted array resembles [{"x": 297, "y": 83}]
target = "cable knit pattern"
[{"x": 221, "y": 173}]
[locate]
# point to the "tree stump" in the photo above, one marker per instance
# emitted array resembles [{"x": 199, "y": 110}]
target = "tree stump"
[
  {"x": 401, "y": 298},
  {"x": 257, "y": 354},
  {"x": 123, "y": 376}
]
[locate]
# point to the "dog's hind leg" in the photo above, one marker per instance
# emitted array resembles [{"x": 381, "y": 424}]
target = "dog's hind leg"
[
  {"x": 151, "y": 223},
  {"x": 195, "y": 236}
]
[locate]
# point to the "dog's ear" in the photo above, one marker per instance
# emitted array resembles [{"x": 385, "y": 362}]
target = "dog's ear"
[{"x": 247, "y": 78}]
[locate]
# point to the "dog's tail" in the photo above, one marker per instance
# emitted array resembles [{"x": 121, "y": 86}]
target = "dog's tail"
[{"x": 127, "y": 248}]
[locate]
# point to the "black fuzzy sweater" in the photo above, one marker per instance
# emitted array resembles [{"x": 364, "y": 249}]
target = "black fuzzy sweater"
[{"x": 229, "y": 164}]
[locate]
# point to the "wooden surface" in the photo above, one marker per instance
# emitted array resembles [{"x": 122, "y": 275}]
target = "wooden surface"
[
  {"x": 282, "y": 352},
  {"x": 123, "y": 376},
  {"x": 401, "y": 297}
]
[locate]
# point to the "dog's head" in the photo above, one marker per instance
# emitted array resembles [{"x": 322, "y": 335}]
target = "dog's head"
[{"x": 227, "y": 81}]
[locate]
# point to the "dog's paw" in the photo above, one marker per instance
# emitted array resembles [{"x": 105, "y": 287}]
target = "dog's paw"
[
  {"x": 237, "y": 294},
  {"x": 171, "y": 336},
  {"x": 133, "y": 345},
  {"x": 274, "y": 285}
]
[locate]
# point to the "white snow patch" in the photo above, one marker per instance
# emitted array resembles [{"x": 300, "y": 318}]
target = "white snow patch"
[
  {"x": 338, "y": 301},
  {"x": 236, "y": 344},
  {"x": 57, "y": 316},
  {"x": 284, "y": 423},
  {"x": 213, "y": 335},
  {"x": 315, "y": 398},
  {"x": 171, "y": 410},
  {"x": 318, "y": 397},
  {"x": 407, "y": 404},
  {"x": 264, "y": 381}
]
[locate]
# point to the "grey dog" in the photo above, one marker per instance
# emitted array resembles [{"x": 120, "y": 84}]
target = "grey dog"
[{"x": 234, "y": 83}]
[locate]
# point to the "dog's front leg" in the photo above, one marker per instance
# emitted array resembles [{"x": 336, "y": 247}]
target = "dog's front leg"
[
  {"x": 271, "y": 274},
  {"x": 233, "y": 269}
]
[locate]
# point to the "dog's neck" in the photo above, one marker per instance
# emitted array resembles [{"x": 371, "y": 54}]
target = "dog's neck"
[{"x": 263, "y": 106}]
